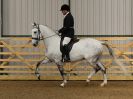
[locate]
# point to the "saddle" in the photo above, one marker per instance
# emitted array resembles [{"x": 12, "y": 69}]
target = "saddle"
[{"x": 67, "y": 48}]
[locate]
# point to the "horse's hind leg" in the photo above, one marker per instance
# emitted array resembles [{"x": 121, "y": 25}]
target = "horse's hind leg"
[
  {"x": 103, "y": 69},
  {"x": 94, "y": 71}
]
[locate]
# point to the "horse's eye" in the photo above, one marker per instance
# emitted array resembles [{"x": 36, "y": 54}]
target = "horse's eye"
[{"x": 35, "y": 32}]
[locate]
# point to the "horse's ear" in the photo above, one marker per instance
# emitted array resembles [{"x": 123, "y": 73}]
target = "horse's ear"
[{"x": 34, "y": 24}]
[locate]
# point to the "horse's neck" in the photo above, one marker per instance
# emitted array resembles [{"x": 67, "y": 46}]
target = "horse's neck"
[
  {"x": 51, "y": 41},
  {"x": 50, "y": 37},
  {"x": 47, "y": 32}
]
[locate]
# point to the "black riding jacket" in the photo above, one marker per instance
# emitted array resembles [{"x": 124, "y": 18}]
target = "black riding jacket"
[{"x": 67, "y": 30}]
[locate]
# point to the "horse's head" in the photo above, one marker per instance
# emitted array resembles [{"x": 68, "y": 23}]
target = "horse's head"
[
  {"x": 36, "y": 34},
  {"x": 42, "y": 32}
]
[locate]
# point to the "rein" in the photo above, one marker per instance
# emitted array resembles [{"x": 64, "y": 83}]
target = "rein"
[
  {"x": 48, "y": 37},
  {"x": 42, "y": 38}
]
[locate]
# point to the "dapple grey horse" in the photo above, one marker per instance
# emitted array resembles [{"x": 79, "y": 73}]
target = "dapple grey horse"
[{"x": 89, "y": 49}]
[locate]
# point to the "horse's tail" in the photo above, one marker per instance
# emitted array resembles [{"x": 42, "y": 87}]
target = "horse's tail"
[
  {"x": 111, "y": 52},
  {"x": 114, "y": 56}
]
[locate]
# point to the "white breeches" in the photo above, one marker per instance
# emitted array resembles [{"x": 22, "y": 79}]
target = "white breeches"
[{"x": 66, "y": 40}]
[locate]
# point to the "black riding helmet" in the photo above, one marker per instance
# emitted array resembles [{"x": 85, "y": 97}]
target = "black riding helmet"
[{"x": 65, "y": 7}]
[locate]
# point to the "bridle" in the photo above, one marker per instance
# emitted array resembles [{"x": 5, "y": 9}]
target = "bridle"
[
  {"x": 38, "y": 38},
  {"x": 39, "y": 35}
]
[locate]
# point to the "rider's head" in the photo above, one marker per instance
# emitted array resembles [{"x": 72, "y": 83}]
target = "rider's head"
[{"x": 65, "y": 8}]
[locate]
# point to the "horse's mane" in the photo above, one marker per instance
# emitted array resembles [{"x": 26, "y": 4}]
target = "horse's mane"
[{"x": 48, "y": 28}]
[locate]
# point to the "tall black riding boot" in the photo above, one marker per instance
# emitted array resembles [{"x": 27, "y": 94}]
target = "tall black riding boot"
[{"x": 66, "y": 57}]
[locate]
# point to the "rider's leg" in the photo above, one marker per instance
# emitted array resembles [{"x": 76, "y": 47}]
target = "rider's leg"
[
  {"x": 65, "y": 44},
  {"x": 61, "y": 49},
  {"x": 66, "y": 40}
]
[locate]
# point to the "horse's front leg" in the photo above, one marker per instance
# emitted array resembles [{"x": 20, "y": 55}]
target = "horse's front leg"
[
  {"x": 37, "y": 67},
  {"x": 61, "y": 69}
]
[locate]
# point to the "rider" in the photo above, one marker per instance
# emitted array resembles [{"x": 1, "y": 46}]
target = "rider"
[{"x": 67, "y": 31}]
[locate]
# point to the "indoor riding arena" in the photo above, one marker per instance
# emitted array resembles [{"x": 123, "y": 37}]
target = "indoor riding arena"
[{"x": 109, "y": 21}]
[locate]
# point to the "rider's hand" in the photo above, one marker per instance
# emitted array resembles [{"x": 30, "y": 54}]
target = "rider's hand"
[{"x": 59, "y": 34}]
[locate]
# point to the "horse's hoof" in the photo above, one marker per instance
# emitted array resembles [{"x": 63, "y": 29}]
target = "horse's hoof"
[
  {"x": 103, "y": 84},
  {"x": 38, "y": 76},
  {"x": 88, "y": 80},
  {"x": 62, "y": 85}
]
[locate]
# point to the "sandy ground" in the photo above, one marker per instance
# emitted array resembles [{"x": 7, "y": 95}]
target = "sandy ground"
[{"x": 73, "y": 90}]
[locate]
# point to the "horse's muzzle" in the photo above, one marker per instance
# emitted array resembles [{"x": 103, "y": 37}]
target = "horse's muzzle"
[{"x": 34, "y": 45}]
